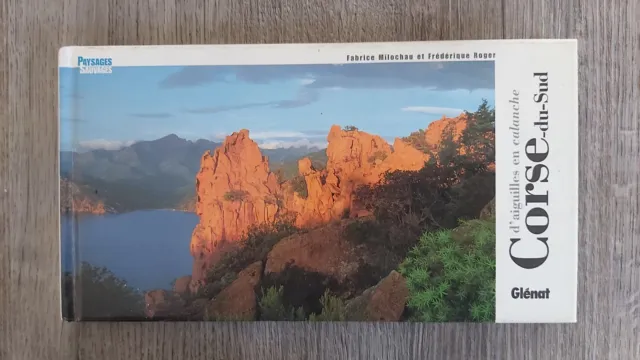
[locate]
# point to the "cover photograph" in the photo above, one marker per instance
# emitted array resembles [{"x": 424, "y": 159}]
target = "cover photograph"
[{"x": 392, "y": 181}]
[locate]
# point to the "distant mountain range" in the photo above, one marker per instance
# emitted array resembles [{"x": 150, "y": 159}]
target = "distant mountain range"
[{"x": 157, "y": 174}]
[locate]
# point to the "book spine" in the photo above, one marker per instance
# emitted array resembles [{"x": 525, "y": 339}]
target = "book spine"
[{"x": 69, "y": 261}]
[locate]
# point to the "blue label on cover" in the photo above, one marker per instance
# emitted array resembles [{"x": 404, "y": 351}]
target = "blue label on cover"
[{"x": 95, "y": 65}]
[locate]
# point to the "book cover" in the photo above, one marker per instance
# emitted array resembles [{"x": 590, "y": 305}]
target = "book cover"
[{"x": 406, "y": 181}]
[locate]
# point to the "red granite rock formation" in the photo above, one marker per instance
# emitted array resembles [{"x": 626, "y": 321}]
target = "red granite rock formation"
[
  {"x": 238, "y": 301},
  {"x": 354, "y": 158},
  {"x": 382, "y": 302},
  {"x": 236, "y": 188},
  {"x": 235, "y": 191},
  {"x": 163, "y": 304},
  {"x": 435, "y": 130}
]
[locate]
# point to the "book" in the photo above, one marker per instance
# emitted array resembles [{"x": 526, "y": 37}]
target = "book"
[{"x": 391, "y": 181}]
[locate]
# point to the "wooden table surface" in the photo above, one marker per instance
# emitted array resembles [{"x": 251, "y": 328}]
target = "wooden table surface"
[{"x": 609, "y": 297}]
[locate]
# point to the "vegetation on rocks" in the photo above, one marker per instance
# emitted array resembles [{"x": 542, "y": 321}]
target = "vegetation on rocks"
[
  {"x": 254, "y": 247},
  {"x": 235, "y": 195},
  {"x": 418, "y": 140},
  {"x": 430, "y": 216},
  {"x": 425, "y": 223},
  {"x": 333, "y": 309},
  {"x": 104, "y": 296},
  {"x": 272, "y": 307}
]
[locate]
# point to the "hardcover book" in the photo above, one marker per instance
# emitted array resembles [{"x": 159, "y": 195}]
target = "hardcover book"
[{"x": 392, "y": 181}]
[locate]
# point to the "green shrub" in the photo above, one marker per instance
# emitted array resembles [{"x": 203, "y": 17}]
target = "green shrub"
[
  {"x": 451, "y": 274},
  {"x": 350, "y": 128},
  {"x": 299, "y": 185},
  {"x": 479, "y": 136},
  {"x": 418, "y": 140},
  {"x": 272, "y": 307},
  {"x": 103, "y": 295},
  {"x": 235, "y": 195},
  {"x": 333, "y": 309}
]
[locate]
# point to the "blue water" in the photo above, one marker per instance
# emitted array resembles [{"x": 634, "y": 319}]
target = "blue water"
[{"x": 148, "y": 249}]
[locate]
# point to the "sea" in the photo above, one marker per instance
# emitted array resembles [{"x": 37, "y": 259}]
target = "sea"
[{"x": 147, "y": 249}]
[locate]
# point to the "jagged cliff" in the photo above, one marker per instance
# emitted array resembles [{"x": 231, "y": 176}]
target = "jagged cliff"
[
  {"x": 76, "y": 199},
  {"x": 354, "y": 158},
  {"x": 236, "y": 189}
]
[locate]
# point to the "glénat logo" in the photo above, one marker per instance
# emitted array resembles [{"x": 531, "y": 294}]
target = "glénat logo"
[{"x": 95, "y": 65}]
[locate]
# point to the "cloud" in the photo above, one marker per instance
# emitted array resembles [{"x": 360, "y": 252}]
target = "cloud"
[
  {"x": 275, "y": 144},
  {"x": 316, "y": 133},
  {"x": 434, "y": 110},
  {"x": 307, "y": 81},
  {"x": 103, "y": 144},
  {"x": 262, "y": 135},
  {"x": 312, "y": 79},
  {"x": 446, "y": 75},
  {"x": 304, "y": 97},
  {"x": 159, "y": 115},
  {"x": 278, "y": 135},
  {"x": 223, "y": 108},
  {"x": 191, "y": 76},
  {"x": 283, "y": 139}
]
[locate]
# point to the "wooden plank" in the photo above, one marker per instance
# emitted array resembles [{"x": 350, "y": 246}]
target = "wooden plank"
[{"x": 609, "y": 300}]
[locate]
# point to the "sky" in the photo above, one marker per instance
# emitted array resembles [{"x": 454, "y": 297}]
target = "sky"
[{"x": 281, "y": 105}]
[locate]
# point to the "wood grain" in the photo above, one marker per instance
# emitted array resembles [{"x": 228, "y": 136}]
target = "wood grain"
[{"x": 31, "y": 31}]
